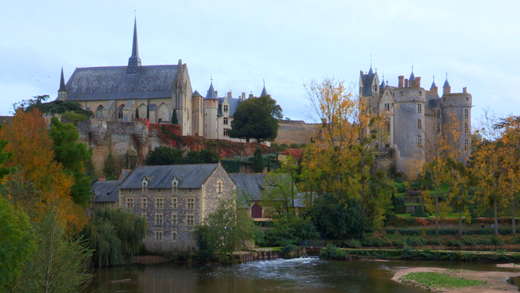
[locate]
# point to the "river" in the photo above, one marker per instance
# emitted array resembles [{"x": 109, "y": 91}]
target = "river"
[{"x": 295, "y": 275}]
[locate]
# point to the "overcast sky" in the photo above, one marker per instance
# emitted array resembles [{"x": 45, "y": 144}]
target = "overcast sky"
[{"x": 287, "y": 43}]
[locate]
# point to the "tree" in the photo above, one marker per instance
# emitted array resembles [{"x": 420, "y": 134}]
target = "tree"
[
  {"x": 4, "y": 157},
  {"x": 256, "y": 118},
  {"x": 31, "y": 145},
  {"x": 60, "y": 264},
  {"x": 258, "y": 161},
  {"x": 115, "y": 236},
  {"x": 205, "y": 156},
  {"x": 280, "y": 194},
  {"x": 164, "y": 156},
  {"x": 73, "y": 156},
  {"x": 175, "y": 120},
  {"x": 54, "y": 107},
  {"x": 225, "y": 229},
  {"x": 16, "y": 243},
  {"x": 337, "y": 219}
]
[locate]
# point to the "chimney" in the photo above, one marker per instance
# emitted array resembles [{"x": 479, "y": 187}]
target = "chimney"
[
  {"x": 406, "y": 82},
  {"x": 229, "y": 95},
  {"x": 465, "y": 90},
  {"x": 418, "y": 82},
  {"x": 251, "y": 96},
  {"x": 401, "y": 77},
  {"x": 243, "y": 95}
]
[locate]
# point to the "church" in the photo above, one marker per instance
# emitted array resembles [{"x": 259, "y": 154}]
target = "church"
[{"x": 122, "y": 93}]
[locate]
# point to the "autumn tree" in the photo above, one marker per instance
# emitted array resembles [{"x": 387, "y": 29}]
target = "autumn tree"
[
  {"x": 73, "y": 155},
  {"x": 31, "y": 145}
]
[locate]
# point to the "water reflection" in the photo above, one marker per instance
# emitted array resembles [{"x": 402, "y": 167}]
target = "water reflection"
[{"x": 302, "y": 275}]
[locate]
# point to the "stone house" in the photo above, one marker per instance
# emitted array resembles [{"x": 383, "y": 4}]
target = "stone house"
[
  {"x": 174, "y": 199},
  {"x": 105, "y": 194}
]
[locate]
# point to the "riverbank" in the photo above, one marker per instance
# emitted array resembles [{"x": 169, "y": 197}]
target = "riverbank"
[{"x": 493, "y": 281}]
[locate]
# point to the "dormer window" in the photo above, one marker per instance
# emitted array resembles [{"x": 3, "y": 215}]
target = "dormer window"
[
  {"x": 226, "y": 108},
  {"x": 175, "y": 183},
  {"x": 144, "y": 183}
]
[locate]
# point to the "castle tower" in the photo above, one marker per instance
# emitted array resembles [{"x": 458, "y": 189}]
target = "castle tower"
[
  {"x": 210, "y": 113},
  {"x": 456, "y": 120},
  {"x": 197, "y": 104},
  {"x": 264, "y": 92},
  {"x": 134, "y": 62},
  {"x": 409, "y": 123},
  {"x": 62, "y": 91}
]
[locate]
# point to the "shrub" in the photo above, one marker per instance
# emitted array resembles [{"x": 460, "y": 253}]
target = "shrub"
[
  {"x": 407, "y": 252},
  {"x": 285, "y": 251},
  {"x": 353, "y": 243},
  {"x": 419, "y": 212},
  {"x": 454, "y": 243},
  {"x": 410, "y": 232},
  {"x": 497, "y": 241},
  {"x": 332, "y": 252},
  {"x": 400, "y": 209},
  {"x": 413, "y": 241}
]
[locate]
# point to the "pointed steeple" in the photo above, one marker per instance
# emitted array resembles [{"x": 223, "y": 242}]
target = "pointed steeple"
[
  {"x": 264, "y": 91},
  {"x": 433, "y": 84},
  {"x": 211, "y": 93},
  {"x": 383, "y": 82},
  {"x": 446, "y": 88},
  {"x": 412, "y": 76},
  {"x": 134, "y": 62},
  {"x": 370, "y": 72},
  {"x": 62, "y": 83}
]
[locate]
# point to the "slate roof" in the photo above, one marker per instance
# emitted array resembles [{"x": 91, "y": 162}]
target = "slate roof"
[
  {"x": 124, "y": 174},
  {"x": 251, "y": 184},
  {"x": 264, "y": 92},
  {"x": 367, "y": 80},
  {"x": 412, "y": 77},
  {"x": 106, "y": 191},
  {"x": 446, "y": 83},
  {"x": 210, "y": 95},
  {"x": 113, "y": 83},
  {"x": 189, "y": 176},
  {"x": 233, "y": 105},
  {"x": 197, "y": 94},
  {"x": 62, "y": 83}
]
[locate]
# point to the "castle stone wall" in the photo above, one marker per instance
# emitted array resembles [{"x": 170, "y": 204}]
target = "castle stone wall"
[{"x": 298, "y": 132}]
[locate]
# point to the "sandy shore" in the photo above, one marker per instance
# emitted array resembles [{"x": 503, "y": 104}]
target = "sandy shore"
[{"x": 495, "y": 281}]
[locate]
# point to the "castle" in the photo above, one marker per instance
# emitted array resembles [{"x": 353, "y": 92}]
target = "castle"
[
  {"x": 415, "y": 117},
  {"x": 122, "y": 93}
]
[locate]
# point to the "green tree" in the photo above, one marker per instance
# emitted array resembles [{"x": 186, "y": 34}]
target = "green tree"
[
  {"x": 175, "y": 120},
  {"x": 256, "y": 118},
  {"x": 60, "y": 264},
  {"x": 17, "y": 242},
  {"x": 109, "y": 169},
  {"x": 225, "y": 229},
  {"x": 334, "y": 218},
  {"x": 165, "y": 156},
  {"x": 4, "y": 157},
  {"x": 73, "y": 156},
  {"x": 115, "y": 236},
  {"x": 258, "y": 161},
  {"x": 54, "y": 107},
  {"x": 205, "y": 156}
]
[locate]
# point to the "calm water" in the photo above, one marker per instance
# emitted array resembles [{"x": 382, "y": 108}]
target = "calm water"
[{"x": 296, "y": 275}]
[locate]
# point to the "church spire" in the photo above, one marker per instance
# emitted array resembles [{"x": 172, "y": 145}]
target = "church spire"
[
  {"x": 62, "y": 83},
  {"x": 134, "y": 62},
  {"x": 264, "y": 91}
]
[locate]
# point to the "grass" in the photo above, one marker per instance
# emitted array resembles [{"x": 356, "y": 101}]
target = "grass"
[{"x": 441, "y": 280}]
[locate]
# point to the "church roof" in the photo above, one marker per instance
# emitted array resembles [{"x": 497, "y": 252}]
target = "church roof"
[
  {"x": 62, "y": 83},
  {"x": 113, "y": 83}
]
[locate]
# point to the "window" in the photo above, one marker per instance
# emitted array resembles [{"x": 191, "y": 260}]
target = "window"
[
  {"x": 99, "y": 112},
  {"x": 419, "y": 108},
  {"x": 120, "y": 112},
  {"x": 466, "y": 113},
  {"x": 226, "y": 121},
  {"x": 466, "y": 145},
  {"x": 190, "y": 220},
  {"x": 226, "y": 107},
  {"x": 174, "y": 219},
  {"x": 219, "y": 186},
  {"x": 226, "y": 132},
  {"x": 174, "y": 202},
  {"x": 144, "y": 183},
  {"x": 174, "y": 236},
  {"x": 159, "y": 203},
  {"x": 438, "y": 128},
  {"x": 129, "y": 203},
  {"x": 419, "y": 124},
  {"x": 438, "y": 114},
  {"x": 158, "y": 235},
  {"x": 144, "y": 203},
  {"x": 190, "y": 203},
  {"x": 467, "y": 98},
  {"x": 158, "y": 219},
  {"x": 466, "y": 128},
  {"x": 419, "y": 141},
  {"x": 387, "y": 106}
]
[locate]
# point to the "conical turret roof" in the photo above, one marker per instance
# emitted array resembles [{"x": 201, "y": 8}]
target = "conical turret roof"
[
  {"x": 62, "y": 83},
  {"x": 211, "y": 93}
]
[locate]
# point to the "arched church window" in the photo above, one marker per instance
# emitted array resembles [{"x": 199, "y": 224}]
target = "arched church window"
[
  {"x": 99, "y": 112},
  {"x": 120, "y": 112}
]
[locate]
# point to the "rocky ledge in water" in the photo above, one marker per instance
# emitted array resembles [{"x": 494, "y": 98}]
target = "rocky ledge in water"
[{"x": 494, "y": 281}]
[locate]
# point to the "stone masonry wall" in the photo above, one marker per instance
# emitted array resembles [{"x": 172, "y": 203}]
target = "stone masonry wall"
[{"x": 298, "y": 132}]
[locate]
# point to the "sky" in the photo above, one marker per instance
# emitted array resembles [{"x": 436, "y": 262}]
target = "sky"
[{"x": 286, "y": 43}]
